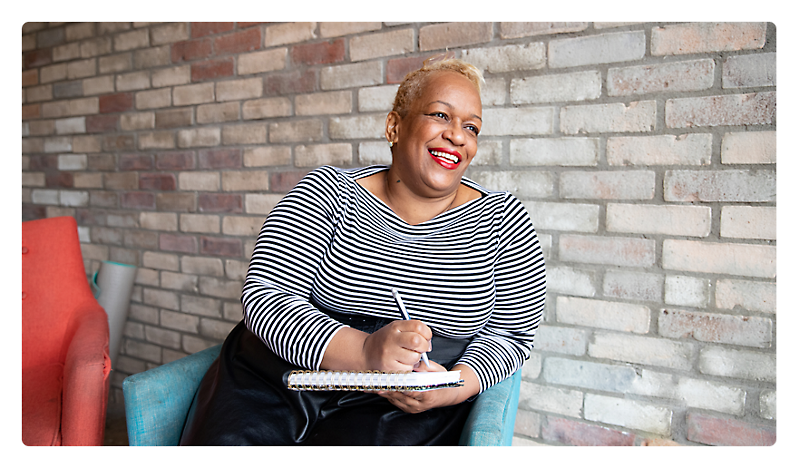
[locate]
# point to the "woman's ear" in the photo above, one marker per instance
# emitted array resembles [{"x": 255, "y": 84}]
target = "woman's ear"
[{"x": 392, "y": 122}]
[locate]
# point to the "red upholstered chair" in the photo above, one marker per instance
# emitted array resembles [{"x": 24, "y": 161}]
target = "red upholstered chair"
[{"x": 65, "y": 363}]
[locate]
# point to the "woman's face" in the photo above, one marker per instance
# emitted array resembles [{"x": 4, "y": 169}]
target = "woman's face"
[{"x": 437, "y": 138}]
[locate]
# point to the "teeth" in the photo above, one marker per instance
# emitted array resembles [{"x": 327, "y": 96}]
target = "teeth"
[{"x": 446, "y": 156}]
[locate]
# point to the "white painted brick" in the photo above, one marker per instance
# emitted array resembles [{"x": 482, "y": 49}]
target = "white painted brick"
[
  {"x": 749, "y": 222},
  {"x": 336, "y": 102},
  {"x": 508, "y": 58},
  {"x": 72, "y": 162},
  {"x": 179, "y": 281},
  {"x": 257, "y": 203},
  {"x": 635, "y": 285},
  {"x": 768, "y": 404},
  {"x": 160, "y": 261},
  {"x": 73, "y": 198},
  {"x": 377, "y": 98},
  {"x": 562, "y": 340},
  {"x": 363, "y": 126},
  {"x": 201, "y": 266},
  {"x": 594, "y": 313},
  {"x": 369, "y": 46},
  {"x": 563, "y": 216},
  {"x": 749, "y": 148},
  {"x": 266, "y": 108},
  {"x": 674, "y": 220},
  {"x": 335, "y": 29},
  {"x": 642, "y": 350},
  {"x": 614, "y": 117},
  {"x": 518, "y": 121},
  {"x": 619, "y": 251},
  {"x": 554, "y": 152},
  {"x": 371, "y": 152},
  {"x": 489, "y": 153},
  {"x": 199, "y": 223},
  {"x": 738, "y": 364},
  {"x": 610, "y": 185},
  {"x": 352, "y": 75},
  {"x": 158, "y": 221},
  {"x": 567, "y": 87},
  {"x": 554, "y": 400},
  {"x": 234, "y": 90},
  {"x": 289, "y": 33},
  {"x": 661, "y": 77},
  {"x": 628, "y": 413},
  {"x": 241, "y": 225},
  {"x": 716, "y": 328},
  {"x": 687, "y": 291},
  {"x": 711, "y": 257},
  {"x": 262, "y": 62},
  {"x": 722, "y": 186},
  {"x": 597, "y": 49},
  {"x": 317, "y": 155},
  {"x": 751, "y": 295},
  {"x": 203, "y": 181},
  {"x": 690, "y": 149},
  {"x": 571, "y": 281},
  {"x": 271, "y": 155},
  {"x": 70, "y": 125},
  {"x": 523, "y": 184},
  {"x": 750, "y": 70}
]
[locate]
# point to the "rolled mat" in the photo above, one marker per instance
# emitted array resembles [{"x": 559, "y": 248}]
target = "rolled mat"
[{"x": 113, "y": 286}]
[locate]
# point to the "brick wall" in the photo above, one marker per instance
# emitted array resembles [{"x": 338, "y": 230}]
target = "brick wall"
[{"x": 645, "y": 154}]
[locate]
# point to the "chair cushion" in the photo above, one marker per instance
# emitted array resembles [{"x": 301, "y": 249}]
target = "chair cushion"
[{"x": 41, "y": 404}]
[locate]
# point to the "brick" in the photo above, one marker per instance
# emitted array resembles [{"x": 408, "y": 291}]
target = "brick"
[
  {"x": 241, "y": 226},
  {"x": 157, "y": 181},
  {"x": 569, "y": 432},
  {"x": 563, "y": 216},
  {"x": 749, "y": 71},
  {"x": 266, "y": 108},
  {"x": 191, "y": 50},
  {"x": 219, "y": 203},
  {"x": 137, "y": 121},
  {"x": 36, "y": 58},
  {"x": 244, "y": 181},
  {"x": 293, "y": 82},
  {"x": 712, "y": 430},
  {"x": 523, "y": 184},
  {"x": 215, "y": 329},
  {"x": 336, "y": 102},
  {"x": 57, "y": 145},
  {"x": 42, "y": 127},
  {"x": 219, "y": 158},
  {"x": 674, "y": 220},
  {"x": 198, "y": 137},
  {"x": 70, "y": 125},
  {"x": 121, "y": 181},
  {"x": 749, "y": 148},
  {"x": 716, "y": 328},
  {"x": 508, "y": 58},
  {"x": 380, "y": 98},
  {"x": 144, "y": 351},
  {"x": 99, "y": 85},
  {"x": 750, "y": 295},
  {"x": 289, "y": 33},
  {"x": 53, "y": 73},
  {"x": 115, "y": 63},
  {"x": 212, "y": 69},
  {"x": 152, "y": 57},
  {"x": 637, "y": 286},
  {"x": 362, "y": 126},
  {"x": 369, "y": 46},
  {"x": 239, "y": 89},
  {"x": 168, "y": 33},
  {"x": 86, "y": 144},
  {"x": 642, "y": 350},
  {"x": 261, "y": 62},
  {"x": 615, "y": 117},
  {"x": 172, "y": 118},
  {"x": 627, "y": 413},
  {"x": 50, "y": 37},
  {"x": 597, "y": 49},
  {"x": 297, "y": 131},
  {"x": 203, "y": 181},
  {"x": 202, "y": 266},
  {"x": 73, "y": 198},
  {"x": 396, "y": 69},
  {"x": 722, "y": 258},
  {"x": 206, "y": 29},
  {"x": 567, "y": 87},
  {"x": 688, "y": 149},
  {"x": 333, "y": 29},
  {"x": 237, "y": 42},
  {"x": 171, "y": 201},
  {"x": 562, "y": 340},
  {"x": 285, "y": 181},
  {"x": 749, "y": 222},
  {"x": 768, "y": 404},
  {"x": 554, "y": 152},
  {"x": 319, "y": 53},
  {"x": 223, "y": 112},
  {"x": 451, "y": 35},
  {"x": 162, "y": 337},
  {"x": 244, "y": 134},
  {"x": 72, "y": 162},
  {"x": 351, "y": 75},
  {"x": 687, "y": 291},
  {"x": 39, "y": 93},
  {"x": 158, "y": 222},
  {"x": 135, "y": 162},
  {"x": 518, "y": 121},
  {"x": 221, "y": 247},
  {"x": 154, "y": 99},
  {"x": 603, "y": 314},
  {"x": 59, "y": 179},
  {"x": 30, "y": 78},
  {"x": 66, "y": 52},
  {"x": 119, "y": 102},
  {"x": 177, "y": 243},
  {"x": 237, "y": 270},
  {"x": 738, "y": 364},
  {"x": 374, "y": 153},
  {"x": 131, "y": 40},
  {"x": 156, "y": 140},
  {"x": 44, "y": 197},
  {"x": 193, "y": 344},
  {"x": 696, "y": 38},
  {"x": 175, "y": 161},
  {"x": 260, "y": 203},
  {"x": 609, "y": 185},
  {"x": 33, "y": 179},
  {"x": 140, "y": 239},
  {"x": 199, "y": 223},
  {"x": 203, "y": 306},
  {"x": 536, "y": 397},
  {"x": 137, "y": 200},
  {"x": 732, "y": 109},
  {"x": 78, "y": 31},
  {"x": 720, "y": 186},
  {"x": 31, "y": 111},
  {"x": 171, "y": 76},
  {"x": 96, "y": 47},
  {"x": 571, "y": 281},
  {"x": 67, "y": 89},
  {"x": 671, "y": 77}
]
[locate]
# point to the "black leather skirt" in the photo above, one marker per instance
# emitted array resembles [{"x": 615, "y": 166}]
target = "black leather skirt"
[{"x": 244, "y": 400}]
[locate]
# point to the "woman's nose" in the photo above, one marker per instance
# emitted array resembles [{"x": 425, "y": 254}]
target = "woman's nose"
[{"x": 454, "y": 133}]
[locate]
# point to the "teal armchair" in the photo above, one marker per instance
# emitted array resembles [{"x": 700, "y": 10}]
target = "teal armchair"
[{"x": 157, "y": 402}]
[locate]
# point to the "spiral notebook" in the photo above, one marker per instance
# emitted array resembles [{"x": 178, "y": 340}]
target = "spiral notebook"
[{"x": 372, "y": 380}]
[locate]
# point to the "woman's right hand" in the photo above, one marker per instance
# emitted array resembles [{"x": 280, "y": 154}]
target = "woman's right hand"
[{"x": 397, "y": 346}]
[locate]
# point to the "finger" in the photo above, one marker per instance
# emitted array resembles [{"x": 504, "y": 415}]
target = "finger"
[{"x": 415, "y": 326}]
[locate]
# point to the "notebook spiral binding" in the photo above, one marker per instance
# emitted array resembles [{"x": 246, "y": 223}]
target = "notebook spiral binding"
[{"x": 344, "y": 381}]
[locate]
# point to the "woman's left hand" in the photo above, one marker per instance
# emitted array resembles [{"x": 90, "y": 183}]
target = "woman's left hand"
[{"x": 417, "y": 402}]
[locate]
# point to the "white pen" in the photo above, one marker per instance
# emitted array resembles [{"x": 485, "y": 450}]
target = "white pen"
[{"x": 406, "y": 317}]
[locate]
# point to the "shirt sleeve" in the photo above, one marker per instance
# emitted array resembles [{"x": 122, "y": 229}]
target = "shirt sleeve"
[
  {"x": 503, "y": 345},
  {"x": 277, "y": 289}
]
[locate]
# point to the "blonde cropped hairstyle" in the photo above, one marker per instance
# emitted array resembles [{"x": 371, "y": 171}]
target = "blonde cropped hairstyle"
[{"x": 413, "y": 83}]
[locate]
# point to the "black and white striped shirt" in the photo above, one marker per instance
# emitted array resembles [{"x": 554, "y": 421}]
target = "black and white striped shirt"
[{"x": 475, "y": 271}]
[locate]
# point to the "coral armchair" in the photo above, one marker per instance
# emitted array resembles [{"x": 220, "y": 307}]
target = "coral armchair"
[{"x": 65, "y": 363}]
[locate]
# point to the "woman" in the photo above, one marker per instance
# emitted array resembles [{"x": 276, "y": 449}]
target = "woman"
[{"x": 318, "y": 291}]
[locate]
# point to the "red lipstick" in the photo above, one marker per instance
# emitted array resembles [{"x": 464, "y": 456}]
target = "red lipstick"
[{"x": 446, "y": 158}]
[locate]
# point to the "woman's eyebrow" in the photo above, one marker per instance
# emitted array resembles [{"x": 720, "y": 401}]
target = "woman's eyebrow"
[{"x": 450, "y": 106}]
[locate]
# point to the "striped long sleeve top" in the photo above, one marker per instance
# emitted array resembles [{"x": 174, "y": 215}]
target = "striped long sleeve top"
[{"x": 475, "y": 271}]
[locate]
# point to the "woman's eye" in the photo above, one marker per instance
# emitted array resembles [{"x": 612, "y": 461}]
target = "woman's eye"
[
  {"x": 440, "y": 115},
  {"x": 473, "y": 129}
]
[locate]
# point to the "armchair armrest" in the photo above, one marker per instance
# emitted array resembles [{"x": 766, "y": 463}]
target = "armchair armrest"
[
  {"x": 493, "y": 415},
  {"x": 86, "y": 376}
]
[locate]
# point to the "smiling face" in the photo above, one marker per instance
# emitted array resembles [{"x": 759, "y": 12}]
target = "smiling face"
[{"x": 437, "y": 138}]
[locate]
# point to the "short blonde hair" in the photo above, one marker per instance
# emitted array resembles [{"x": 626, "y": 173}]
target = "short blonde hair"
[{"x": 413, "y": 83}]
